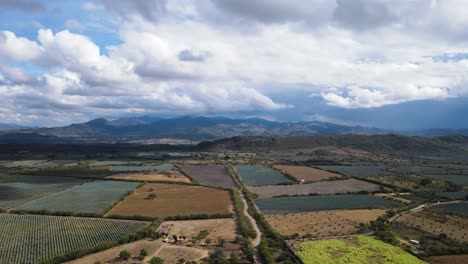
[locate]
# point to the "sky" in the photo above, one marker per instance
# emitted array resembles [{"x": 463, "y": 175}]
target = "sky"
[{"x": 400, "y": 64}]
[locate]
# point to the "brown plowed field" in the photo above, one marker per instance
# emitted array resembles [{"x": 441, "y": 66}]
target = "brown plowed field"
[
  {"x": 305, "y": 173},
  {"x": 449, "y": 259},
  {"x": 213, "y": 175},
  {"x": 173, "y": 199},
  {"x": 171, "y": 176}
]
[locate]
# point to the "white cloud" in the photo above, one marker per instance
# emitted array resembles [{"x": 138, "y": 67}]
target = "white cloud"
[{"x": 17, "y": 48}]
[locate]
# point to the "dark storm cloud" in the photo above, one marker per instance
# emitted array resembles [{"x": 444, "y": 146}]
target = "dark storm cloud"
[{"x": 22, "y": 5}]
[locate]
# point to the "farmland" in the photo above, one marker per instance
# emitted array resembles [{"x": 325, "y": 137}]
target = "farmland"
[
  {"x": 455, "y": 208},
  {"x": 361, "y": 249},
  {"x": 160, "y": 167},
  {"x": 327, "y": 187},
  {"x": 170, "y": 175},
  {"x": 93, "y": 197},
  {"x": 18, "y": 190},
  {"x": 212, "y": 175},
  {"x": 358, "y": 170},
  {"x": 307, "y": 174},
  {"x": 174, "y": 200},
  {"x": 448, "y": 259},
  {"x": 261, "y": 175},
  {"x": 457, "y": 179},
  {"x": 322, "y": 223},
  {"x": 320, "y": 203},
  {"x": 35, "y": 238},
  {"x": 453, "y": 195}
]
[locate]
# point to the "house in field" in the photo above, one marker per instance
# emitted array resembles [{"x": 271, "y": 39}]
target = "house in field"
[{"x": 163, "y": 230}]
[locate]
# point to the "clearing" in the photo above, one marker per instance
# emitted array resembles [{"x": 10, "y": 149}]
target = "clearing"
[{"x": 307, "y": 174}]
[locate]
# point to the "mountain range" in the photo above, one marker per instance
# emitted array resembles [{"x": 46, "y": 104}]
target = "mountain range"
[{"x": 139, "y": 129}]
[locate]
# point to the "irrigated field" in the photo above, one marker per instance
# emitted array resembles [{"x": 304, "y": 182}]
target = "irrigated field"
[
  {"x": 453, "y": 195},
  {"x": 327, "y": 187},
  {"x": 213, "y": 175},
  {"x": 92, "y": 197},
  {"x": 320, "y": 203},
  {"x": 36, "y": 238},
  {"x": 18, "y": 190},
  {"x": 172, "y": 200},
  {"x": 224, "y": 228},
  {"x": 261, "y": 175},
  {"x": 307, "y": 174},
  {"x": 437, "y": 223},
  {"x": 170, "y": 175},
  {"x": 322, "y": 223},
  {"x": 360, "y": 249},
  {"x": 448, "y": 259},
  {"x": 457, "y": 179},
  {"x": 454, "y": 208},
  {"x": 160, "y": 167},
  {"x": 358, "y": 170}
]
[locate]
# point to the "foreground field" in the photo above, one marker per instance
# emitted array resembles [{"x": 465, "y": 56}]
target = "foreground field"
[
  {"x": 261, "y": 175},
  {"x": 448, "y": 259},
  {"x": 212, "y": 175},
  {"x": 307, "y": 174},
  {"x": 170, "y": 254},
  {"x": 327, "y": 187},
  {"x": 92, "y": 197},
  {"x": 360, "y": 249},
  {"x": 224, "y": 228},
  {"x": 170, "y": 175},
  {"x": 172, "y": 200},
  {"x": 320, "y": 203},
  {"x": 322, "y": 223},
  {"x": 18, "y": 190},
  {"x": 35, "y": 238}
]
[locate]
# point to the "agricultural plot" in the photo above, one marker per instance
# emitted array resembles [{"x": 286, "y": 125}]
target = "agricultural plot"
[
  {"x": 18, "y": 190},
  {"x": 224, "y": 228},
  {"x": 327, "y": 187},
  {"x": 457, "y": 179},
  {"x": 448, "y": 259},
  {"x": 321, "y": 203},
  {"x": 454, "y": 208},
  {"x": 212, "y": 175},
  {"x": 170, "y": 176},
  {"x": 306, "y": 174},
  {"x": 160, "y": 167},
  {"x": 438, "y": 223},
  {"x": 322, "y": 223},
  {"x": 453, "y": 195},
  {"x": 36, "y": 238},
  {"x": 359, "y": 249},
  {"x": 174, "y": 200},
  {"x": 93, "y": 197},
  {"x": 261, "y": 175},
  {"x": 358, "y": 170}
]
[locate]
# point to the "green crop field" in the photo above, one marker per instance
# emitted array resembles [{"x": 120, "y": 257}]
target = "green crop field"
[
  {"x": 92, "y": 197},
  {"x": 36, "y": 238},
  {"x": 261, "y": 175},
  {"x": 358, "y": 171},
  {"x": 454, "y": 208},
  {"x": 320, "y": 203},
  {"x": 360, "y": 249},
  {"x": 18, "y": 190},
  {"x": 161, "y": 167},
  {"x": 457, "y": 179}
]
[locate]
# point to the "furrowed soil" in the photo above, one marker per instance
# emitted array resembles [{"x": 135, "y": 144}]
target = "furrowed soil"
[
  {"x": 448, "y": 259},
  {"x": 213, "y": 175},
  {"x": 307, "y": 174},
  {"x": 174, "y": 200},
  {"x": 171, "y": 176}
]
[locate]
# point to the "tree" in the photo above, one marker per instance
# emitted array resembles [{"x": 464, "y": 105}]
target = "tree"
[
  {"x": 234, "y": 259},
  {"x": 151, "y": 196},
  {"x": 143, "y": 254},
  {"x": 125, "y": 255},
  {"x": 181, "y": 261},
  {"x": 426, "y": 181},
  {"x": 156, "y": 260}
]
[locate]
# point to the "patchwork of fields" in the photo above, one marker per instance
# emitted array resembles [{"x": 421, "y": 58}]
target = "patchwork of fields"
[
  {"x": 174, "y": 200},
  {"x": 261, "y": 175},
  {"x": 320, "y": 203},
  {"x": 361, "y": 249},
  {"x": 93, "y": 197},
  {"x": 358, "y": 170},
  {"x": 212, "y": 175},
  {"x": 307, "y": 174},
  {"x": 18, "y": 190},
  {"x": 457, "y": 179},
  {"x": 160, "y": 167},
  {"x": 327, "y": 187},
  {"x": 36, "y": 238},
  {"x": 170, "y": 176}
]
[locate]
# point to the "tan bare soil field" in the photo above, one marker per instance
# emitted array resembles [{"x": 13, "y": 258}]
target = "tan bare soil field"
[
  {"x": 173, "y": 199},
  {"x": 224, "y": 228},
  {"x": 170, "y": 253},
  {"x": 322, "y": 223},
  {"x": 326, "y": 187},
  {"x": 305, "y": 173},
  {"x": 171, "y": 176},
  {"x": 448, "y": 259},
  {"x": 436, "y": 223}
]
